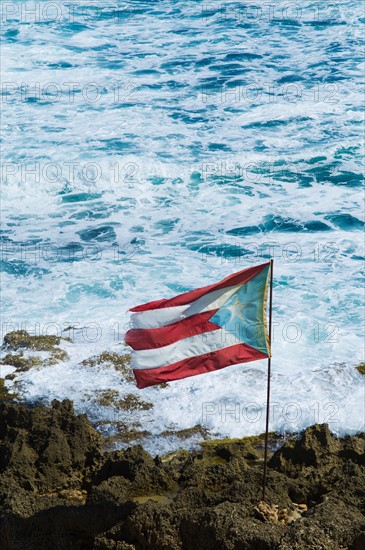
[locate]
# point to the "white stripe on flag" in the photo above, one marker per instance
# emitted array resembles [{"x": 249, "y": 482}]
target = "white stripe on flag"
[
  {"x": 155, "y": 318},
  {"x": 188, "y": 347}
]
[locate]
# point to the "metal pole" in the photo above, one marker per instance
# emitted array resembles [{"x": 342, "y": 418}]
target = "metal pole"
[{"x": 268, "y": 386}]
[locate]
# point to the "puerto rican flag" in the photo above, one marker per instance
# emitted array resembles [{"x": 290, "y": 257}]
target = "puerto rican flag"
[{"x": 203, "y": 330}]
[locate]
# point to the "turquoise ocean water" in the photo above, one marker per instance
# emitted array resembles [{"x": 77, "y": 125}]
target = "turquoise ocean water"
[{"x": 153, "y": 147}]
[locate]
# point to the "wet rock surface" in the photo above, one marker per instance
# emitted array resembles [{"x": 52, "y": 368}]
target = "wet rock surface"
[{"x": 59, "y": 490}]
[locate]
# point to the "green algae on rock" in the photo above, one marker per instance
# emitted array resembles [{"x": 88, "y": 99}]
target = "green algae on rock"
[
  {"x": 21, "y": 363},
  {"x": 22, "y": 339},
  {"x": 185, "y": 433},
  {"x": 250, "y": 447},
  {"x": 134, "y": 403},
  {"x": 130, "y": 402},
  {"x": 58, "y": 355},
  {"x": 361, "y": 368},
  {"x": 107, "y": 398},
  {"x": 123, "y": 432},
  {"x": 121, "y": 363}
]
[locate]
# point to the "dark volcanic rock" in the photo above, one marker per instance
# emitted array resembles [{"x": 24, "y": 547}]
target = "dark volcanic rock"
[
  {"x": 59, "y": 491},
  {"x": 153, "y": 528},
  {"x": 127, "y": 474},
  {"x": 22, "y": 339},
  {"x": 326, "y": 464},
  {"x": 331, "y": 524},
  {"x": 315, "y": 448},
  {"x": 46, "y": 449},
  {"x": 227, "y": 527}
]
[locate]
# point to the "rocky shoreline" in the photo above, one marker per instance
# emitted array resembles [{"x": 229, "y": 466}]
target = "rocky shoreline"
[
  {"x": 60, "y": 490},
  {"x": 122, "y": 414}
]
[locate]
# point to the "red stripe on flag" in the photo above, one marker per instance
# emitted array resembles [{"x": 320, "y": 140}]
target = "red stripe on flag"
[
  {"x": 239, "y": 353},
  {"x": 163, "y": 336},
  {"x": 238, "y": 278}
]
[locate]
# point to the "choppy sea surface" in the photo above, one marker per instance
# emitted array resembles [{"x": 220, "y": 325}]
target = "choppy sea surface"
[{"x": 153, "y": 147}]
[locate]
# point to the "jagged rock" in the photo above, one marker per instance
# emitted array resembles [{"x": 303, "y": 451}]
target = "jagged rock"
[
  {"x": 45, "y": 449},
  {"x": 22, "y": 339},
  {"x": 140, "y": 528},
  {"x": 59, "y": 490},
  {"x": 316, "y": 447},
  {"x": 125, "y": 474},
  {"x": 227, "y": 527},
  {"x": 330, "y": 525}
]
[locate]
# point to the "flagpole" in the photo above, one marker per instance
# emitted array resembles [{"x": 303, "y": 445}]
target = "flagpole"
[{"x": 268, "y": 386}]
